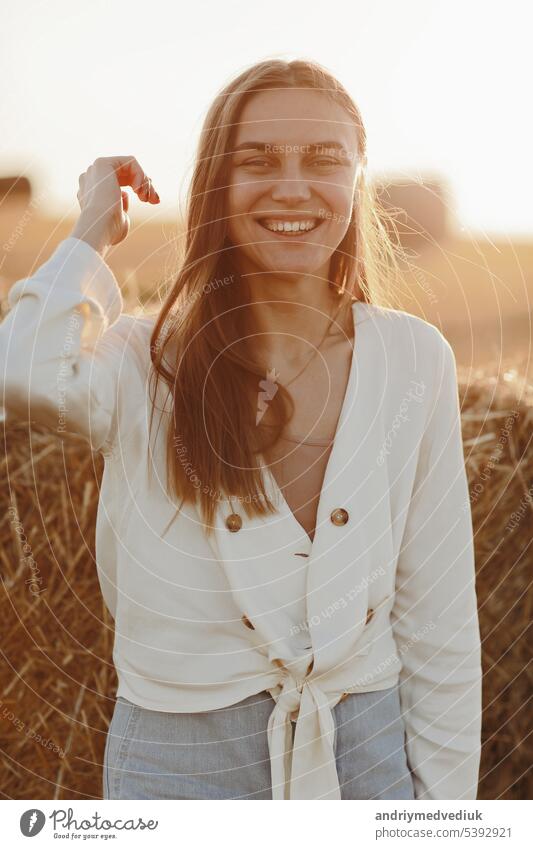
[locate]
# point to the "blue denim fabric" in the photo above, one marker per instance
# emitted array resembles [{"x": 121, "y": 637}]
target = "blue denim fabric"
[{"x": 223, "y": 754}]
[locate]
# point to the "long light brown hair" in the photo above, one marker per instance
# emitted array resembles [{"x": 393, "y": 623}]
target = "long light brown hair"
[{"x": 212, "y": 439}]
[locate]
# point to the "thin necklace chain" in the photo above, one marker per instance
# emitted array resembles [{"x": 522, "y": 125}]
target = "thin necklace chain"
[{"x": 315, "y": 352}]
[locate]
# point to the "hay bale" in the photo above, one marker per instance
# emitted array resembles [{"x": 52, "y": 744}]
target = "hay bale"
[{"x": 57, "y": 673}]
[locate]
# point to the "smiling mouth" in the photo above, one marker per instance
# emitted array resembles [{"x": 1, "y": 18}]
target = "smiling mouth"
[{"x": 283, "y": 227}]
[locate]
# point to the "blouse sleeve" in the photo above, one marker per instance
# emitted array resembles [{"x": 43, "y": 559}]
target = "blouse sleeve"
[
  {"x": 62, "y": 346},
  {"x": 434, "y": 617}
]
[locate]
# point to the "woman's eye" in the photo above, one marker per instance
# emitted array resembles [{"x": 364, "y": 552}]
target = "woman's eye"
[
  {"x": 257, "y": 162},
  {"x": 262, "y": 163}
]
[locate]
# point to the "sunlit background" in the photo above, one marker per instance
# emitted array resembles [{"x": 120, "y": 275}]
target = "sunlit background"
[{"x": 444, "y": 89}]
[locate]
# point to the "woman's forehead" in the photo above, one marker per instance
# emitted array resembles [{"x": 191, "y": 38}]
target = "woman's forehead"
[{"x": 299, "y": 116}]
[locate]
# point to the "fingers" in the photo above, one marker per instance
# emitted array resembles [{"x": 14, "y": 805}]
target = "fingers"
[
  {"x": 148, "y": 192},
  {"x": 130, "y": 173},
  {"x": 125, "y": 201}
]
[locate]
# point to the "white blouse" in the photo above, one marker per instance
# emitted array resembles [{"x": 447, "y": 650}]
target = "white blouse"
[
  {"x": 202, "y": 623},
  {"x": 299, "y": 473}
]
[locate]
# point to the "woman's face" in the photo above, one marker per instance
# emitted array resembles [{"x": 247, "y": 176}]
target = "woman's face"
[{"x": 293, "y": 168}]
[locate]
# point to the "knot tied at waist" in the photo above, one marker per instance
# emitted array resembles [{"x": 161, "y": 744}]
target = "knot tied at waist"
[{"x": 305, "y": 768}]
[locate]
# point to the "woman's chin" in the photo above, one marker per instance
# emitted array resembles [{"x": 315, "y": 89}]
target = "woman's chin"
[{"x": 283, "y": 260}]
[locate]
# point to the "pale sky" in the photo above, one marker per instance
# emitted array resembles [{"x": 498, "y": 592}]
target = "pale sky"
[{"x": 444, "y": 88}]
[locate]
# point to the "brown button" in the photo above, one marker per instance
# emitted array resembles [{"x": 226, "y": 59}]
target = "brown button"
[
  {"x": 247, "y": 622},
  {"x": 339, "y": 516},
  {"x": 369, "y": 615},
  {"x": 234, "y": 522},
  {"x": 344, "y": 695},
  {"x": 278, "y": 662}
]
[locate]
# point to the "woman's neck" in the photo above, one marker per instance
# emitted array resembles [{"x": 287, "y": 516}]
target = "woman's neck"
[{"x": 289, "y": 316}]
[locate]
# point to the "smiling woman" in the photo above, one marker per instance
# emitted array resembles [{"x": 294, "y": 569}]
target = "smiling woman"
[
  {"x": 279, "y": 199},
  {"x": 264, "y": 583}
]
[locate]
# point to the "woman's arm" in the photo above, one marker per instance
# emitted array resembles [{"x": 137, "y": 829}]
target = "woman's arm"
[
  {"x": 435, "y": 618},
  {"x": 62, "y": 345},
  {"x": 64, "y": 342}
]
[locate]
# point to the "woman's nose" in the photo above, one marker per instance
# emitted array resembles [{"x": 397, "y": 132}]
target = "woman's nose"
[{"x": 291, "y": 188}]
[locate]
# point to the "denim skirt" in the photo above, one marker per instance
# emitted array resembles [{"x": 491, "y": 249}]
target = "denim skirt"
[{"x": 223, "y": 754}]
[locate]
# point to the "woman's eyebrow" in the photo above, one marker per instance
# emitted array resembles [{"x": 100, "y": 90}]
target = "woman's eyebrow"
[
  {"x": 251, "y": 145},
  {"x": 330, "y": 144}
]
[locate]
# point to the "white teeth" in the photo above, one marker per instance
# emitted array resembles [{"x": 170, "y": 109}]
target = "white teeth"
[{"x": 289, "y": 226}]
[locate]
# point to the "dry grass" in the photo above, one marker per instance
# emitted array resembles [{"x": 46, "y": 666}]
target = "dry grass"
[{"x": 58, "y": 679}]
